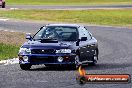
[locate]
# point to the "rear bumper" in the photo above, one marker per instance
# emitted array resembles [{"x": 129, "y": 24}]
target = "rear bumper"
[{"x": 35, "y": 59}]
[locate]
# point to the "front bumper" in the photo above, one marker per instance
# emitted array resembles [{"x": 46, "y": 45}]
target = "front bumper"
[{"x": 35, "y": 59}]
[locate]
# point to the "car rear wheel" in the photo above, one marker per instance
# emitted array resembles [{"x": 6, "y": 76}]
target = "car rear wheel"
[
  {"x": 3, "y": 5},
  {"x": 25, "y": 66}
]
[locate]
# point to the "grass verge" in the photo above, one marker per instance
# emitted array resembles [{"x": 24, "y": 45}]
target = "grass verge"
[
  {"x": 8, "y": 51},
  {"x": 68, "y": 2},
  {"x": 120, "y": 17},
  {"x": 9, "y": 44}
]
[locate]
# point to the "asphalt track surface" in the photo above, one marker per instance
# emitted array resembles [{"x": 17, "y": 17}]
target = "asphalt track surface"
[
  {"x": 115, "y": 45},
  {"x": 69, "y": 7}
]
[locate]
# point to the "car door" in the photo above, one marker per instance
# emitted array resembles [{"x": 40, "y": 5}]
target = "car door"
[
  {"x": 87, "y": 48},
  {"x": 82, "y": 44},
  {"x": 91, "y": 45}
]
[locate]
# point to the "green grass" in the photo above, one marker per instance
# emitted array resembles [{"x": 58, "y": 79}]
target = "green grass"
[
  {"x": 8, "y": 51},
  {"x": 102, "y": 17},
  {"x": 68, "y": 2},
  {"x": 10, "y": 43}
]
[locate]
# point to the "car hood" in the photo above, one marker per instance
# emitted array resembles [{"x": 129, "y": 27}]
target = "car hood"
[{"x": 37, "y": 44}]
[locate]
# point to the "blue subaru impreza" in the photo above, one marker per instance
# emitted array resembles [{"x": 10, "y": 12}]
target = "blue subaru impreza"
[{"x": 59, "y": 44}]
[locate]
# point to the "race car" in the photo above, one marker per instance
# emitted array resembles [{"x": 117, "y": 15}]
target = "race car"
[
  {"x": 59, "y": 44},
  {"x": 2, "y": 3}
]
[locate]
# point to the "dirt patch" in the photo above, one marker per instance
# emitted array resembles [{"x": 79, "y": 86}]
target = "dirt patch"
[{"x": 13, "y": 38}]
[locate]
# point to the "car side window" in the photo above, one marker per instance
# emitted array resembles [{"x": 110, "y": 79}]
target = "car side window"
[
  {"x": 87, "y": 33},
  {"x": 83, "y": 32}
]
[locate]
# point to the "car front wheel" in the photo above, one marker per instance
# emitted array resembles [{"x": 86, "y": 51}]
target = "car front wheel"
[{"x": 25, "y": 66}]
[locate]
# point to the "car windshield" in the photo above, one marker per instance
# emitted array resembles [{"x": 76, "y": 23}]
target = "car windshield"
[{"x": 61, "y": 33}]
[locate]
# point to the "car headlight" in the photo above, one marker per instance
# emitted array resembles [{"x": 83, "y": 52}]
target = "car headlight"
[
  {"x": 25, "y": 58},
  {"x": 25, "y": 50},
  {"x": 63, "y": 51}
]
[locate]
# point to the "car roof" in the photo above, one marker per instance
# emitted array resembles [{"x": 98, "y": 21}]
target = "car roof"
[{"x": 69, "y": 25}]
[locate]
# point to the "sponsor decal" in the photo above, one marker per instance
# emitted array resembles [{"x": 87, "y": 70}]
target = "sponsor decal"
[{"x": 83, "y": 78}]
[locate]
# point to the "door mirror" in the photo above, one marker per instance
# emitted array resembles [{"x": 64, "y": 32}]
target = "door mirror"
[
  {"x": 28, "y": 36},
  {"x": 83, "y": 38}
]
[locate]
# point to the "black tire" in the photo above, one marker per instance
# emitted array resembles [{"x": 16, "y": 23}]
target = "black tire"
[
  {"x": 25, "y": 66},
  {"x": 47, "y": 65},
  {"x": 72, "y": 66},
  {"x": 81, "y": 80},
  {"x": 3, "y": 5}
]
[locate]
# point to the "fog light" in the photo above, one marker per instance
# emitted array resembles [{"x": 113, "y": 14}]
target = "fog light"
[
  {"x": 25, "y": 58},
  {"x": 60, "y": 59}
]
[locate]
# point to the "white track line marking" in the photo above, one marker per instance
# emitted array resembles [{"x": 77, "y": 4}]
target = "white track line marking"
[
  {"x": 12, "y": 31},
  {"x": 13, "y": 8},
  {"x": 5, "y": 30},
  {"x": 2, "y": 19}
]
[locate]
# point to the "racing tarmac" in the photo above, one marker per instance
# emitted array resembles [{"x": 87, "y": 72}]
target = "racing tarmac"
[{"x": 70, "y": 7}]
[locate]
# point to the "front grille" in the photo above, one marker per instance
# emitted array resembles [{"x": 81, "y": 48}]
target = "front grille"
[
  {"x": 42, "y": 51},
  {"x": 42, "y": 59}
]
